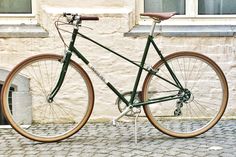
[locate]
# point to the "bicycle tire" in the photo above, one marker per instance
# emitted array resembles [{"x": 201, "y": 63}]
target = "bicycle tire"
[
  {"x": 48, "y": 122},
  {"x": 195, "y": 116}
]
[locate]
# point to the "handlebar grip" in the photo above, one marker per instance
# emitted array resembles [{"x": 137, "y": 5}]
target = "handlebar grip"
[{"x": 88, "y": 18}]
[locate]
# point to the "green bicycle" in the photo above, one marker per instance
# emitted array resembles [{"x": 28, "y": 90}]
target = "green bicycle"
[{"x": 58, "y": 97}]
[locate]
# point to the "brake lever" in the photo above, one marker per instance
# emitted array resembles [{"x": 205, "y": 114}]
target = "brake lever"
[{"x": 70, "y": 19}]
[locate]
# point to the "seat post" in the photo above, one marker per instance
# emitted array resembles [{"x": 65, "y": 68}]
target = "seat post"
[{"x": 153, "y": 27}]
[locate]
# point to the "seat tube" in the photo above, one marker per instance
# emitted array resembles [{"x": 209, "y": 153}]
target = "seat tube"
[
  {"x": 150, "y": 37},
  {"x": 141, "y": 69}
]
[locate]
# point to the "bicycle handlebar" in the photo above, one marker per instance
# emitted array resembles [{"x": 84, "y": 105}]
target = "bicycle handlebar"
[
  {"x": 80, "y": 17},
  {"x": 88, "y": 18}
]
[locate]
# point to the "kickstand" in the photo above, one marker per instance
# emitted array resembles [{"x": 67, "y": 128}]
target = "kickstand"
[{"x": 136, "y": 129}]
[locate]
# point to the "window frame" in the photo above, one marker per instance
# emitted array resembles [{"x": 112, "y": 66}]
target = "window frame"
[
  {"x": 12, "y": 19},
  {"x": 191, "y": 16}
]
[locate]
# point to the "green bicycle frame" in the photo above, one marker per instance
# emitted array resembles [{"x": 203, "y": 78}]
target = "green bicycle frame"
[{"x": 150, "y": 41}]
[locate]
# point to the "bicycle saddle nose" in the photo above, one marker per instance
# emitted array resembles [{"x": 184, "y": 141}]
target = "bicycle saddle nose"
[{"x": 159, "y": 16}]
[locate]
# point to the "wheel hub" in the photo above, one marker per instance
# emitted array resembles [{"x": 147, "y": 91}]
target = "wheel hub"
[
  {"x": 49, "y": 99},
  {"x": 187, "y": 96}
]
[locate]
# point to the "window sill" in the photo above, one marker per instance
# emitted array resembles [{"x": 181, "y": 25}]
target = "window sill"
[
  {"x": 22, "y": 31},
  {"x": 184, "y": 31}
]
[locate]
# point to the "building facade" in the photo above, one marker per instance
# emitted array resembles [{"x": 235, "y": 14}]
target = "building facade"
[{"x": 207, "y": 27}]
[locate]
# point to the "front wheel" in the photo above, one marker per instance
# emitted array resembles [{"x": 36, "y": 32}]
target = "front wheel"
[
  {"x": 25, "y": 99},
  {"x": 200, "y": 105}
]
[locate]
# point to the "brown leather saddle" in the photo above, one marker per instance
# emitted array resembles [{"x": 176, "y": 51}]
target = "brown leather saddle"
[{"x": 159, "y": 16}]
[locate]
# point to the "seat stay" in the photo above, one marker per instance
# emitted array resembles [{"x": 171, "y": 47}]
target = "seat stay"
[
  {"x": 178, "y": 84},
  {"x": 166, "y": 15}
]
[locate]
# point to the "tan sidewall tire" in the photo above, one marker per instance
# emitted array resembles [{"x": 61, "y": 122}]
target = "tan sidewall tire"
[
  {"x": 213, "y": 122},
  {"x": 43, "y": 139}
]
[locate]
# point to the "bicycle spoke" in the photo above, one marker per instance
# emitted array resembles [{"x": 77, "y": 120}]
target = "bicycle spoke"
[
  {"x": 199, "y": 76},
  {"x": 34, "y": 77},
  {"x": 201, "y": 108},
  {"x": 69, "y": 114},
  {"x": 161, "y": 85},
  {"x": 206, "y": 104},
  {"x": 181, "y": 71}
]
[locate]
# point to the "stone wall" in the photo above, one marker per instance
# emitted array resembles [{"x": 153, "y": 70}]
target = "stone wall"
[{"x": 116, "y": 18}]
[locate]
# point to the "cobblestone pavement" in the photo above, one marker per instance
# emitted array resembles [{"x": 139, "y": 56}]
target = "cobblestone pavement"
[{"x": 103, "y": 139}]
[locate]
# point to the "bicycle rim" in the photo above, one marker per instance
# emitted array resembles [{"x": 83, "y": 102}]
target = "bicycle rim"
[
  {"x": 207, "y": 103},
  {"x": 25, "y": 104}
]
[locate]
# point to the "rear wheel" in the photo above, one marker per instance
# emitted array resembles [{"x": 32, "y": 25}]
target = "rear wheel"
[
  {"x": 25, "y": 99},
  {"x": 201, "y": 104}
]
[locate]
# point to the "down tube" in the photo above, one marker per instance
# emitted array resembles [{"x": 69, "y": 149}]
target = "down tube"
[{"x": 79, "y": 55}]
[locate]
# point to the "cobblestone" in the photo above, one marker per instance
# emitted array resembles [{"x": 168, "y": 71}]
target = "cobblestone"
[{"x": 105, "y": 140}]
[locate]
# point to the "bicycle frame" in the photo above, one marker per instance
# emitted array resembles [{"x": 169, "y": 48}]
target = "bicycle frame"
[{"x": 150, "y": 41}]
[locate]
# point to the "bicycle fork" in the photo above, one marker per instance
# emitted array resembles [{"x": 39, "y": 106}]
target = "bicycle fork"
[{"x": 65, "y": 61}]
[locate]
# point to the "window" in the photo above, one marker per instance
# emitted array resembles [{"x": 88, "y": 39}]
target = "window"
[
  {"x": 165, "y": 6},
  {"x": 18, "y": 19},
  {"x": 190, "y": 12},
  {"x": 15, "y": 7},
  {"x": 13, "y": 12},
  {"x": 194, "y": 18},
  {"x": 216, "y": 7}
]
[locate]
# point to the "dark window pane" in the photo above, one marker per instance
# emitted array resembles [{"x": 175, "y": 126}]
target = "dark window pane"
[
  {"x": 3, "y": 121},
  {"x": 15, "y": 7},
  {"x": 165, "y": 6},
  {"x": 216, "y": 7}
]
